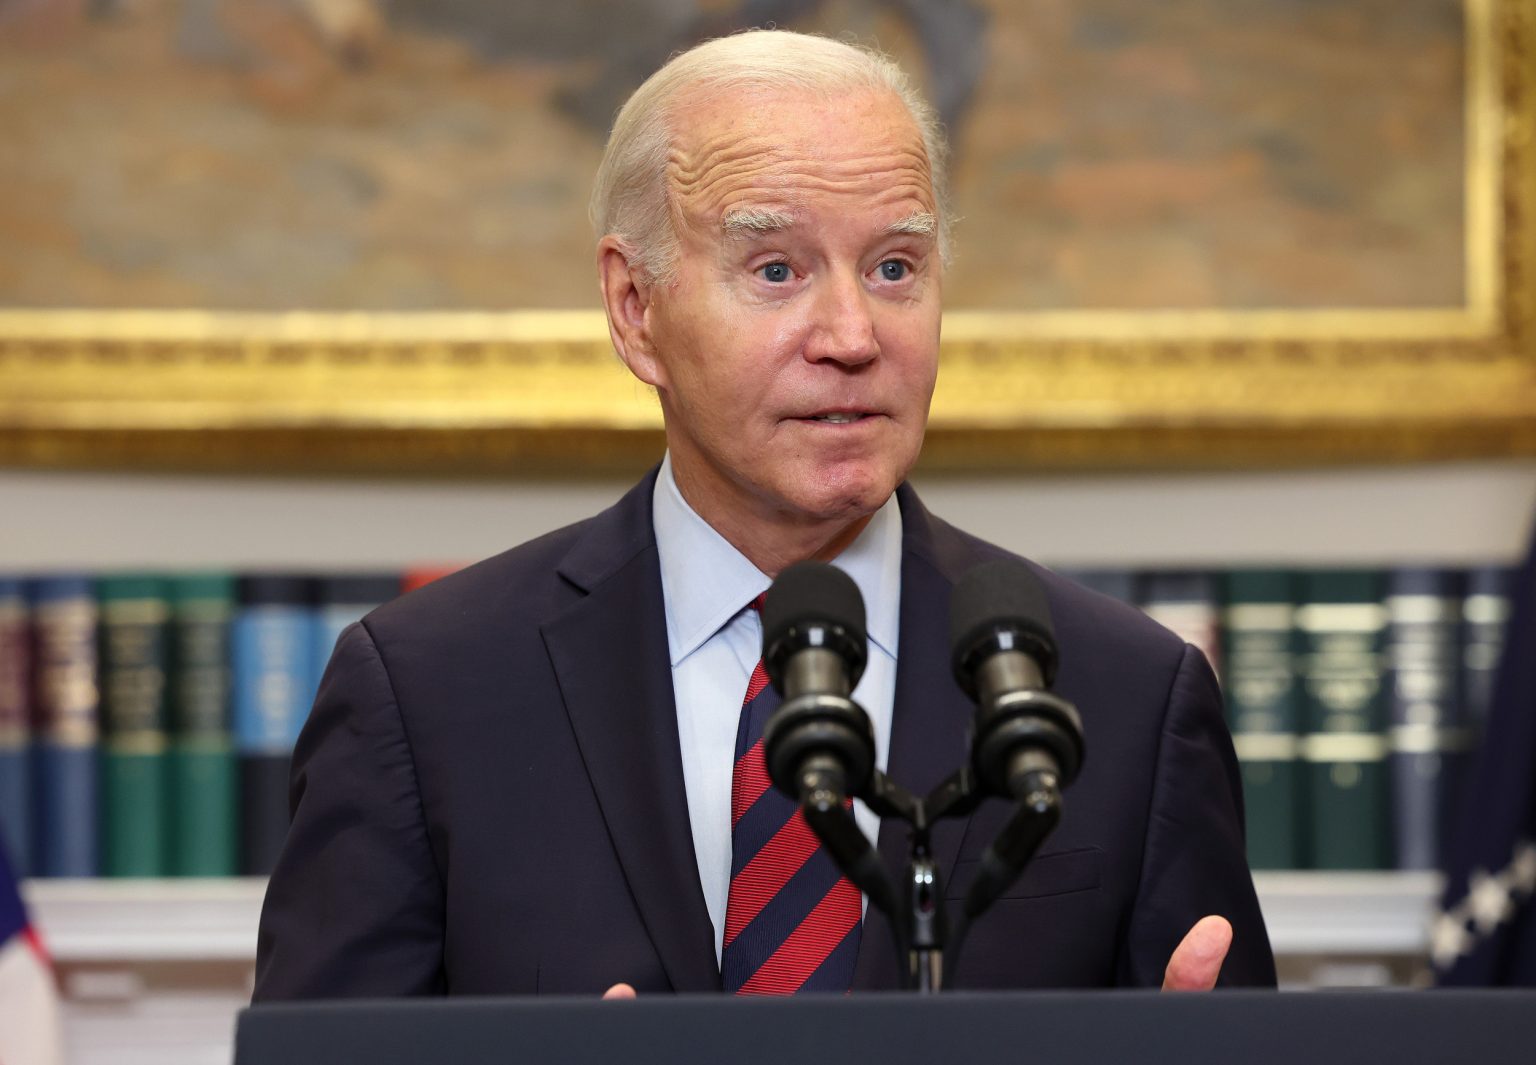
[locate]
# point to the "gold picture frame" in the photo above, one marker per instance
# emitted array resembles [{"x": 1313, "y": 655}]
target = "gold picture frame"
[{"x": 540, "y": 391}]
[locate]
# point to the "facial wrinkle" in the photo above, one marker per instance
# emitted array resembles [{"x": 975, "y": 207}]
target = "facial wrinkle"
[
  {"x": 708, "y": 180},
  {"x": 791, "y": 189},
  {"x": 780, "y": 168},
  {"x": 694, "y": 174}
]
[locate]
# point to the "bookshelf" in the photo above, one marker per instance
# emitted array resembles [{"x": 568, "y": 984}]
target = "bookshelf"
[
  {"x": 1450, "y": 513},
  {"x": 100, "y": 920},
  {"x": 154, "y": 971},
  {"x": 1348, "y": 913}
]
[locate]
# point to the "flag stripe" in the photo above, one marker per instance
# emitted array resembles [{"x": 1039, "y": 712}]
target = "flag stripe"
[{"x": 29, "y": 1005}]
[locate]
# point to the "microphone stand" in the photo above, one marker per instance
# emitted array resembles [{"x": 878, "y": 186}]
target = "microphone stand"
[{"x": 918, "y": 916}]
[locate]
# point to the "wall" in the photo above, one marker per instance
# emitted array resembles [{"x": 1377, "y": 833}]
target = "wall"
[{"x": 1462, "y": 512}]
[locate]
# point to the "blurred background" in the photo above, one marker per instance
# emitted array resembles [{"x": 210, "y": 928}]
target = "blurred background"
[{"x": 1301, "y": 168}]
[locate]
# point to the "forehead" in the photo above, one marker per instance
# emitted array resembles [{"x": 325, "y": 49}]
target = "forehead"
[{"x": 792, "y": 149}]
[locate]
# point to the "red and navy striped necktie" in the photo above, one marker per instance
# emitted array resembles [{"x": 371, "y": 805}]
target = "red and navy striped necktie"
[{"x": 791, "y": 920}]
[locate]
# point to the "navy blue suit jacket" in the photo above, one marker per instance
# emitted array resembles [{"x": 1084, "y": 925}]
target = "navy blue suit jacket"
[{"x": 488, "y": 797}]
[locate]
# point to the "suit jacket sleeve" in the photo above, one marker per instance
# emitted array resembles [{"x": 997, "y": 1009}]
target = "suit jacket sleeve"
[
  {"x": 1194, "y": 860},
  {"x": 355, "y": 904}
]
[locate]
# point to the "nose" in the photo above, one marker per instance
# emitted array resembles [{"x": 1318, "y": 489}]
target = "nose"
[{"x": 843, "y": 327}]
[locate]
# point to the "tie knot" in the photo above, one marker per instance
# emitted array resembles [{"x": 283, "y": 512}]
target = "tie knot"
[{"x": 757, "y": 604}]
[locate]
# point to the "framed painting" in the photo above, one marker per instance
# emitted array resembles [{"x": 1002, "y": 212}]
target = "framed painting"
[{"x": 351, "y": 234}]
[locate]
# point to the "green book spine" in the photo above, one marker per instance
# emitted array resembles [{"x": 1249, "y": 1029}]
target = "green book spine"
[
  {"x": 1264, "y": 710},
  {"x": 205, "y": 787},
  {"x": 205, "y": 813},
  {"x": 1343, "y": 630},
  {"x": 134, "y": 612}
]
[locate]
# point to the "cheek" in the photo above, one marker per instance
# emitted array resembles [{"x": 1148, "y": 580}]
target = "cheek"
[
  {"x": 720, "y": 383},
  {"x": 911, "y": 344},
  {"x": 750, "y": 359}
]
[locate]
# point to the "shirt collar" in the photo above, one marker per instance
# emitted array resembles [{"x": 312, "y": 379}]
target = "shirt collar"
[{"x": 706, "y": 581}]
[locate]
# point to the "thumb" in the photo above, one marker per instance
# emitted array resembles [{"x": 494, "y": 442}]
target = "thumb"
[
  {"x": 1196, "y": 961},
  {"x": 618, "y": 991}
]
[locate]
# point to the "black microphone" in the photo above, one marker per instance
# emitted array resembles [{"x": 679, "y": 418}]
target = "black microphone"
[
  {"x": 1005, "y": 660},
  {"x": 1028, "y": 742},
  {"x": 818, "y": 745}
]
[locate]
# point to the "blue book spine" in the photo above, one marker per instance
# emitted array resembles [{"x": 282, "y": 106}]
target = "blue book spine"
[
  {"x": 15, "y": 725},
  {"x": 274, "y": 680},
  {"x": 66, "y": 815},
  {"x": 1427, "y": 735}
]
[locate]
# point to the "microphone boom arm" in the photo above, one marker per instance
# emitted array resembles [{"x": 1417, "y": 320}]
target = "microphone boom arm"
[{"x": 822, "y": 795}]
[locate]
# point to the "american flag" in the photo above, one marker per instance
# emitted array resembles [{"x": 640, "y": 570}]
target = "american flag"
[
  {"x": 29, "y": 1002},
  {"x": 1485, "y": 933}
]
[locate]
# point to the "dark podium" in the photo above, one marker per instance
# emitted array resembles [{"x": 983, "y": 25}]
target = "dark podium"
[{"x": 1050, "y": 1028}]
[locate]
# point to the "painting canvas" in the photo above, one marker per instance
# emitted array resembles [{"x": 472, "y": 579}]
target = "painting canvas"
[
  {"x": 437, "y": 154},
  {"x": 352, "y": 217}
]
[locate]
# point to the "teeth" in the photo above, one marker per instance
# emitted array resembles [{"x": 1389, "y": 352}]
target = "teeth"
[{"x": 838, "y": 419}]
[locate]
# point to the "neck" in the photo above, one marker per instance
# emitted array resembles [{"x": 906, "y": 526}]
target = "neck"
[{"x": 771, "y": 538}]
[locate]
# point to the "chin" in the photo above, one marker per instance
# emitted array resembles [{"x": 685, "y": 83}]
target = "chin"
[{"x": 846, "y": 494}]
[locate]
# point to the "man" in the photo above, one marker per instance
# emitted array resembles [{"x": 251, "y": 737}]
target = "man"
[{"x": 528, "y": 777}]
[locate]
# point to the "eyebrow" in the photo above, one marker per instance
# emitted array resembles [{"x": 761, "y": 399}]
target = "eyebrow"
[
  {"x": 920, "y": 223},
  {"x": 750, "y": 221}
]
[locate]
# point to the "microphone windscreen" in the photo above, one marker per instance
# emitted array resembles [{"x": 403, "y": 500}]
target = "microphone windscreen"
[
  {"x": 1001, "y": 595},
  {"x": 812, "y": 592}
]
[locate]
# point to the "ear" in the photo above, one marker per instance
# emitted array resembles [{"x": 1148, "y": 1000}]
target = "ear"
[{"x": 627, "y": 295}]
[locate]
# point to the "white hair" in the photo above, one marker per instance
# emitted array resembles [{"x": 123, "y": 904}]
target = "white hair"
[{"x": 630, "y": 198}]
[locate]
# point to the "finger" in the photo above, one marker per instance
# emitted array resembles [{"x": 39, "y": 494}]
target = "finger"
[
  {"x": 1196, "y": 961},
  {"x": 618, "y": 991}
]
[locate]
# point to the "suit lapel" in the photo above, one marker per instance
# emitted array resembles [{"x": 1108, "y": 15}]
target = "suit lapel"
[
  {"x": 930, "y": 717},
  {"x": 609, "y": 653}
]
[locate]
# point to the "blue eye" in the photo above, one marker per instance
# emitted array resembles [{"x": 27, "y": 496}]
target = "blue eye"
[
  {"x": 778, "y": 273},
  {"x": 893, "y": 270}
]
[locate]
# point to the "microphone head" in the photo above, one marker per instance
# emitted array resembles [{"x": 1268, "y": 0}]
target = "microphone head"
[
  {"x": 813, "y": 604},
  {"x": 1000, "y": 605}
]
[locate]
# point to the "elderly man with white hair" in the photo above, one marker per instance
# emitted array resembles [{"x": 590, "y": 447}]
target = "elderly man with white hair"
[{"x": 544, "y": 773}]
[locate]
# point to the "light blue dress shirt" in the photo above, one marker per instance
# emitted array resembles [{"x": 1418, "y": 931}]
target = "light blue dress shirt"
[{"x": 715, "y": 640}]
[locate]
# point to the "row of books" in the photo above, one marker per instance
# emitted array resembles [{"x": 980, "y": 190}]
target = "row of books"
[
  {"x": 1355, "y": 697},
  {"x": 147, "y": 721}
]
